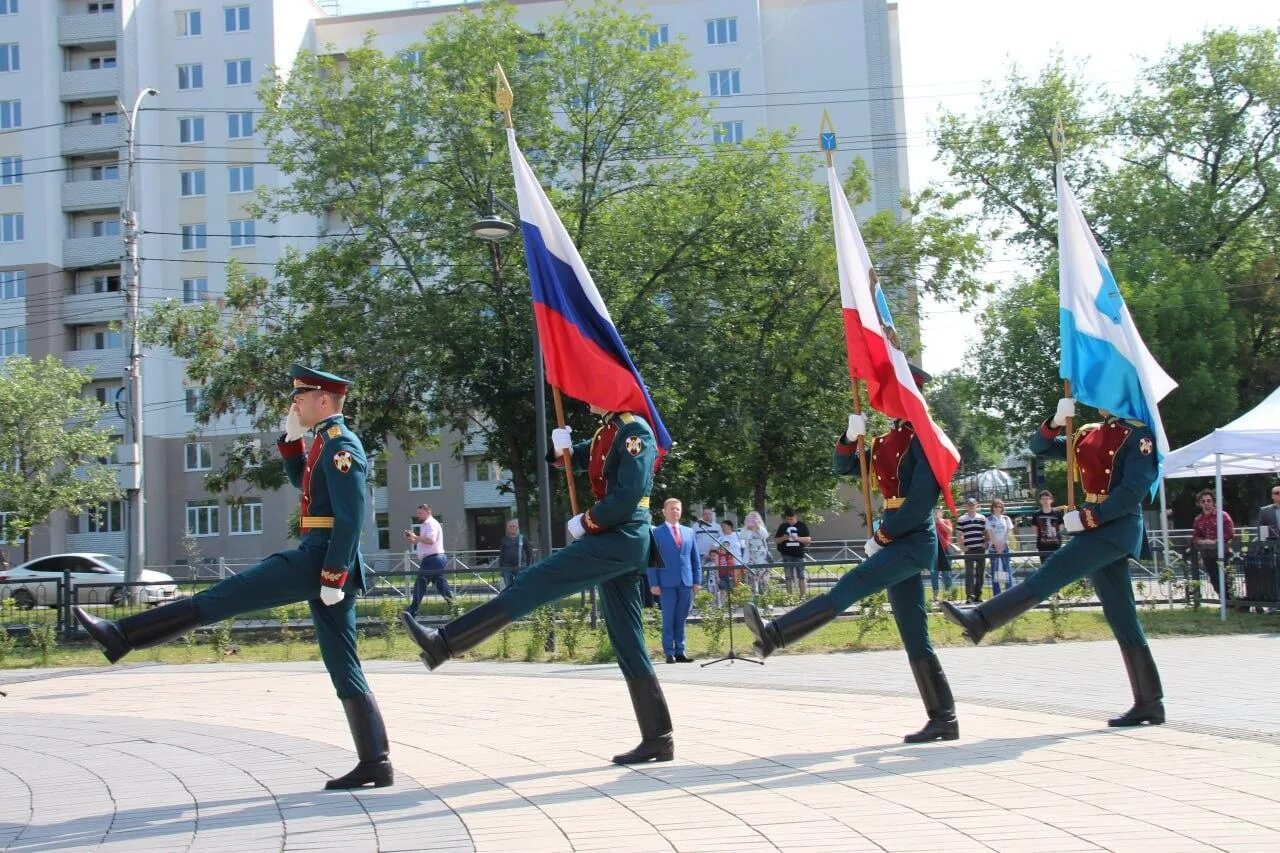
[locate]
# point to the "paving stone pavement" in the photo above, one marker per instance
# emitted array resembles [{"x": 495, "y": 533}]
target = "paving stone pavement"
[{"x": 802, "y": 754}]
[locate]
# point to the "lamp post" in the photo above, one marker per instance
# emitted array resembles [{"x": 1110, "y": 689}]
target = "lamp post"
[
  {"x": 493, "y": 229},
  {"x": 133, "y": 483}
]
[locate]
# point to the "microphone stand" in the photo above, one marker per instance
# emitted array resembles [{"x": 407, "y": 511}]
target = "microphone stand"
[{"x": 731, "y": 656}]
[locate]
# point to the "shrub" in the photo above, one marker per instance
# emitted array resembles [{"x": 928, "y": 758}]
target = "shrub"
[
  {"x": 220, "y": 638},
  {"x": 44, "y": 639},
  {"x": 714, "y": 620},
  {"x": 572, "y": 621}
]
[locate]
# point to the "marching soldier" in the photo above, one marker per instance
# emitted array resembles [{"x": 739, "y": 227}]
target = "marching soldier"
[
  {"x": 325, "y": 569},
  {"x": 610, "y": 548},
  {"x": 1117, "y": 462},
  {"x": 904, "y": 545}
]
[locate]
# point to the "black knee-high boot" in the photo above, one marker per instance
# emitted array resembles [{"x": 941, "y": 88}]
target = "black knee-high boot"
[
  {"x": 370, "y": 737},
  {"x": 991, "y": 614},
  {"x": 790, "y": 626},
  {"x": 148, "y": 628},
  {"x": 466, "y": 632},
  {"x": 1148, "y": 694},
  {"x": 934, "y": 689},
  {"x": 656, "y": 742}
]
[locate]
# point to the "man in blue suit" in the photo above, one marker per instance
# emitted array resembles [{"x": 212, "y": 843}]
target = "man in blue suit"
[{"x": 675, "y": 578}]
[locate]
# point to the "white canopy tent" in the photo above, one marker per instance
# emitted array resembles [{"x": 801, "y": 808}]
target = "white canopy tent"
[{"x": 1248, "y": 445}]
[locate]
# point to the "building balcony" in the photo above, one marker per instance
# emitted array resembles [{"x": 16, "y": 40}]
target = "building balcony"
[
  {"x": 80, "y": 252},
  {"x": 92, "y": 138},
  {"x": 474, "y": 445},
  {"x": 106, "y": 363},
  {"x": 88, "y": 30},
  {"x": 92, "y": 195},
  {"x": 90, "y": 85},
  {"x": 484, "y": 494},
  {"x": 97, "y": 543},
  {"x": 81, "y": 309}
]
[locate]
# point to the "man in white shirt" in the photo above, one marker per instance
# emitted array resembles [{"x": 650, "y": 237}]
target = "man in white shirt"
[{"x": 428, "y": 547}]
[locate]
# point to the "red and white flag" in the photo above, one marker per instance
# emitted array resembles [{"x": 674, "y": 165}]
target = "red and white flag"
[{"x": 874, "y": 356}]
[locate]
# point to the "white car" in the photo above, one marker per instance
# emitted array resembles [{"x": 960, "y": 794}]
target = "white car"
[{"x": 97, "y": 578}]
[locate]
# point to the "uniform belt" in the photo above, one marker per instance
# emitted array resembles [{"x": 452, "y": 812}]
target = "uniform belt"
[
  {"x": 894, "y": 503},
  {"x": 1095, "y": 497},
  {"x": 311, "y": 522}
]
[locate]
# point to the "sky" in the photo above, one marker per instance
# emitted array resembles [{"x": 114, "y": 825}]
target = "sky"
[{"x": 950, "y": 48}]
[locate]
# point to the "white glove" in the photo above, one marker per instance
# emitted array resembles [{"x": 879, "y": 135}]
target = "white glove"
[
  {"x": 872, "y": 547},
  {"x": 562, "y": 439},
  {"x": 293, "y": 428},
  {"x": 1072, "y": 521},
  {"x": 1066, "y": 409},
  {"x": 331, "y": 595},
  {"x": 857, "y": 427},
  {"x": 576, "y": 528}
]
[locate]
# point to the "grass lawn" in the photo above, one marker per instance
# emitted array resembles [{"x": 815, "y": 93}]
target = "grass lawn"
[{"x": 869, "y": 631}]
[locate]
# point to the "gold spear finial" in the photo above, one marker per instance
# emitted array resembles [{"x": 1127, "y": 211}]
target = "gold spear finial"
[{"x": 503, "y": 94}]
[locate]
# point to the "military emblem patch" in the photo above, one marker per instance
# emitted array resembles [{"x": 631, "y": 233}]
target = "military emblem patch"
[
  {"x": 335, "y": 431},
  {"x": 342, "y": 461},
  {"x": 634, "y": 445},
  {"x": 1144, "y": 447}
]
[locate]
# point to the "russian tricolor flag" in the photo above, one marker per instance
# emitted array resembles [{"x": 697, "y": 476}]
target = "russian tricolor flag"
[
  {"x": 873, "y": 357},
  {"x": 584, "y": 356}
]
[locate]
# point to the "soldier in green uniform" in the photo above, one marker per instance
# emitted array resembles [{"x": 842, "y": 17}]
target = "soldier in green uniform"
[
  {"x": 1118, "y": 466},
  {"x": 904, "y": 545},
  {"x": 610, "y": 548},
  {"x": 325, "y": 570}
]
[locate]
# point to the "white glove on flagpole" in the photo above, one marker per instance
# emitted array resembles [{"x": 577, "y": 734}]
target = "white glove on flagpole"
[
  {"x": 562, "y": 439},
  {"x": 871, "y": 547},
  {"x": 331, "y": 595},
  {"x": 1072, "y": 521},
  {"x": 857, "y": 427},
  {"x": 575, "y": 527},
  {"x": 293, "y": 428},
  {"x": 1066, "y": 409}
]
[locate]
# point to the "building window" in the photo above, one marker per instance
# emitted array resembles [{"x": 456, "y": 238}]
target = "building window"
[
  {"x": 8, "y": 7},
  {"x": 189, "y": 23},
  {"x": 102, "y": 63},
  {"x": 101, "y": 8},
  {"x": 13, "y": 341},
  {"x": 382, "y": 520},
  {"x": 424, "y": 475},
  {"x": 99, "y": 338},
  {"x": 195, "y": 237},
  {"x": 722, "y": 31},
  {"x": 485, "y": 472},
  {"x": 12, "y": 229},
  {"x": 199, "y": 455},
  {"x": 246, "y": 518},
  {"x": 10, "y": 114},
  {"x": 727, "y": 131},
  {"x": 191, "y": 76},
  {"x": 191, "y": 182},
  {"x": 240, "y": 179},
  {"x": 238, "y": 72},
  {"x": 191, "y": 129},
  {"x": 104, "y": 173},
  {"x": 658, "y": 36},
  {"x": 13, "y": 284},
  {"x": 104, "y": 228},
  {"x": 10, "y": 58},
  {"x": 191, "y": 400},
  {"x": 10, "y": 171},
  {"x": 239, "y": 125},
  {"x": 195, "y": 290},
  {"x": 111, "y": 117},
  {"x": 235, "y": 19},
  {"x": 107, "y": 518},
  {"x": 725, "y": 82},
  {"x": 202, "y": 518},
  {"x": 104, "y": 284},
  {"x": 242, "y": 233},
  {"x": 412, "y": 58}
]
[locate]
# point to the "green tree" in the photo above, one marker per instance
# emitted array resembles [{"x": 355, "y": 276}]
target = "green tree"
[{"x": 51, "y": 444}]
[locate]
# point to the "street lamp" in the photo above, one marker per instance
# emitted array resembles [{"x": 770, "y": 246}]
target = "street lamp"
[
  {"x": 133, "y": 439},
  {"x": 493, "y": 229}
]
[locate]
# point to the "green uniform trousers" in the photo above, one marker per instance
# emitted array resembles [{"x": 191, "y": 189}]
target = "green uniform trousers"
[
  {"x": 897, "y": 569},
  {"x": 286, "y": 578},
  {"x": 1106, "y": 563},
  {"x": 613, "y": 560}
]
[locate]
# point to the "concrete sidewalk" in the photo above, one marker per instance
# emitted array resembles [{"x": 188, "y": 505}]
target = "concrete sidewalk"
[{"x": 802, "y": 754}]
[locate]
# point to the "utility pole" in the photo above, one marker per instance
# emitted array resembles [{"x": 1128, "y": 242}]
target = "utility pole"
[{"x": 131, "y": 479}]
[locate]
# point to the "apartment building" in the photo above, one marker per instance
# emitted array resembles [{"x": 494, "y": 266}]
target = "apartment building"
[{"x": 70, "y": 69}]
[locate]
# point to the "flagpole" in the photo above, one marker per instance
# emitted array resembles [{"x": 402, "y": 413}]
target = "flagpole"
[
  {"x": 504, "y": 96},
  {"x": 827, "y": 140},
  {"x": 1057, "y": 138}
]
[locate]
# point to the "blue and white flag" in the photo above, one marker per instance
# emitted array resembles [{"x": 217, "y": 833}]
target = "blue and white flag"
[{"x": 1102, "y": 353}]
